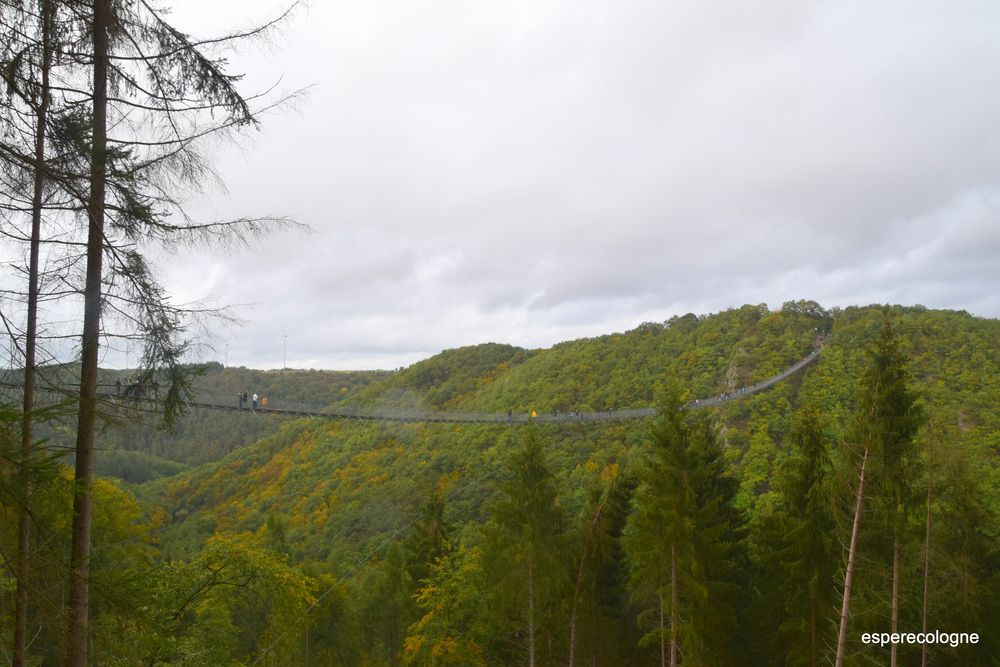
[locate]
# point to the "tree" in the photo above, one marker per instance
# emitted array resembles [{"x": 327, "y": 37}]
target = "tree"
[
  {"x": 887, "y": 423},
  {"x": 233, "y": 602},
  {"x": 852, "y": 554},
  {"x": 181, "y": 95},
  {"x": 385, "y": 599},
  {"x": 428, "y": 539},
  {"x": 453, "y": 629},
  {"x": 806, "y": 553},
  {"x": 526, "y": 540},
  {"x": 596, "y": 604},
  {"x": 682, "y": 541},
  {"x": 37, "y": 98}
]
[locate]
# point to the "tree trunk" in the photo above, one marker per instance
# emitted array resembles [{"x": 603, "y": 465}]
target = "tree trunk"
[
  {"x": 663, "y": 639},
  {"x": 813, "y": 637},
  {"x": 30, "y": 342},
  {"x": 531, "y": 616},
  {"x": 576, "y": 602},
  {"x": 849, "y": 575},
  {"x": 579, "y": 577},
  {"x": 927, "y": 569},
  {"x": 673, "y": 605},
  {"x": 895, "y": 597},
  {"x": 79, "y": 599}
]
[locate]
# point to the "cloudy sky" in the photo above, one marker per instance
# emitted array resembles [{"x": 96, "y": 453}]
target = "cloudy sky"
[{"x": 532, "y": 171}]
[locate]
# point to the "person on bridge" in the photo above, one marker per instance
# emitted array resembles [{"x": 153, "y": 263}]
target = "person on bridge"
[
  {"x": 255, "y": 398},
  {"x": 243, "y": 399}
]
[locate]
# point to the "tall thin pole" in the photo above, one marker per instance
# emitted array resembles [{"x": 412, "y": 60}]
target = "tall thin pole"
[{"x": 284, "y": 351}]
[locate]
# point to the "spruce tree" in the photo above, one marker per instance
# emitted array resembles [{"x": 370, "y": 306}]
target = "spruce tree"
[
  {"x": 161, "y": 92},
  {"x": 886, "y": 423},
  {"x": 888, "y": 419},
  {"x": 527, "y": 541},
  {"x": 598, "y": 607},
  {"x": 27, "y": 66},
  {"x": 806, "y": 557},
  {"x": 682, "y": 541}
]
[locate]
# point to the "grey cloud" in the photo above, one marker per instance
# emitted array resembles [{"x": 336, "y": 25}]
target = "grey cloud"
[{"x": 529, "y": 172}]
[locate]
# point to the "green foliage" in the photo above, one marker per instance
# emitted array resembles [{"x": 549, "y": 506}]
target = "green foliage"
[
  {"x": 888, "y": 417},
  {"x": 794, "y": 546},
  {"x": 414, "y": 538},
  {"x": 525, "y": 547},
  {"x": 232, "y": 603},
  {"x": 439, "y": 381},
  {"x": 683, "y": 539},
  {"x": 601, "y": 631},
  {"x": 454, "y": 628}
]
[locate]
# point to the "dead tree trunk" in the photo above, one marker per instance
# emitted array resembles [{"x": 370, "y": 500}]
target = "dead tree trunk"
[{"x": 849, "y": 575}]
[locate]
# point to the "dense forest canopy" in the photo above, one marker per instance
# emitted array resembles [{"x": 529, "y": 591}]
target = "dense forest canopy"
[{"x": 259, "y": 538}]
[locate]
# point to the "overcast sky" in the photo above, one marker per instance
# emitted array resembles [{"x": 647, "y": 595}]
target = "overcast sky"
[{"x": 532, "y": 171}]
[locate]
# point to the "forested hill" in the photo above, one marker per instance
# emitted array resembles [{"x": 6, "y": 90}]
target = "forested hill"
[
  {"x": 409, "y": 517},
  {"x": 319, "y": 464},
  {"x": 707, "y": 354}
]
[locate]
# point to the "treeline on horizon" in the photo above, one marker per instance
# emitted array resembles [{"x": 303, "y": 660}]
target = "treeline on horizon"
[{"x": 707, "y": 537}]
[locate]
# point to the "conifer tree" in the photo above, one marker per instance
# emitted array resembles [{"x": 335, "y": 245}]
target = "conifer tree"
[
  {"x": 527, "y": 538},
  {"x": 683, "y": 541},
  {"x": 27, "y": 61},
  {"x": 428, "y": 539},
  {"x": 887, "y": 422},
  {"x": 154, "y": 71},
  {"x": 806, "y": 556},
  {"x": 599, "y": 627}
]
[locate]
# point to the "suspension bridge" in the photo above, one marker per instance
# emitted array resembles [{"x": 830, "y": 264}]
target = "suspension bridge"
[{"x": 114, "y": 397}]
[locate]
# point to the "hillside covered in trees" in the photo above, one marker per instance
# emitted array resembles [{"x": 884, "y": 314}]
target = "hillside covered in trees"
[{"x": 715, "y": 536}]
